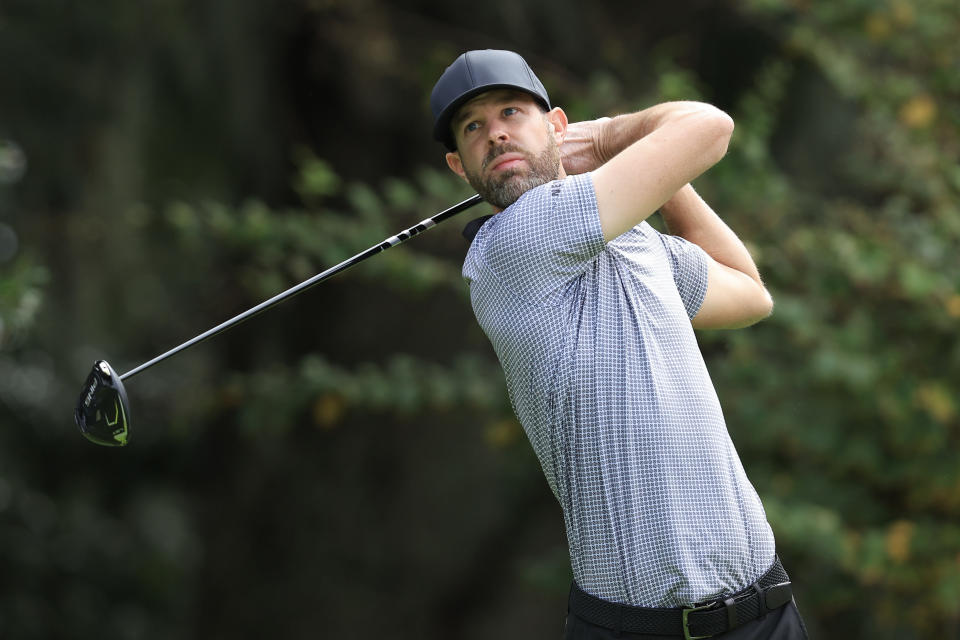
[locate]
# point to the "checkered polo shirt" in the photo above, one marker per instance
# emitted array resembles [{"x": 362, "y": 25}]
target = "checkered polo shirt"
[{"x": 605, "y": 375}]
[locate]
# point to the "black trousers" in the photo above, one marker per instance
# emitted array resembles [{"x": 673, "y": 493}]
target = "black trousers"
[{"x": 784, "y": 623}]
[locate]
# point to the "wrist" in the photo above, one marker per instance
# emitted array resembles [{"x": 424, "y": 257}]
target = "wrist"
[
  {"x": 622, "y": 131},
  {"x": 600, "y": 140},
  {"x": 581, "y": 150}
]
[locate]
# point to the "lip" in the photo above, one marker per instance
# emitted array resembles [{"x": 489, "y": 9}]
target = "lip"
[{"x": 506, "y": 161}]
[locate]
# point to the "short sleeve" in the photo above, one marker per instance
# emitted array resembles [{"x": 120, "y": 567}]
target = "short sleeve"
[
  {"x": 545, "y": 239},
  {"x": 689, "y": 265}
]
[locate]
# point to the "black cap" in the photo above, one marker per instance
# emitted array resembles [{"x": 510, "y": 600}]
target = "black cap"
[{"x": 473, "y": 73}]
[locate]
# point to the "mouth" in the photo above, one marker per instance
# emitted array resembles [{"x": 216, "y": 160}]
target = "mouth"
[{"x": 506, "y": 161}]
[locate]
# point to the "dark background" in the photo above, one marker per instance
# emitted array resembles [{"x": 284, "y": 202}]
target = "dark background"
[{"x": 347, "y": 465}]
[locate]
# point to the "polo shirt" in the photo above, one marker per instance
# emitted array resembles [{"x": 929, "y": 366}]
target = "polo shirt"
[{"x": 605, "y": 375}]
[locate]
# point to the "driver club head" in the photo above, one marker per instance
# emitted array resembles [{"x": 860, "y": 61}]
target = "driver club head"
[{"x": 102, "y": 412}]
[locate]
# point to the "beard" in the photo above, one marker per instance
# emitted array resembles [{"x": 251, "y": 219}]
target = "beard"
[{"x": 504, "y": 188}]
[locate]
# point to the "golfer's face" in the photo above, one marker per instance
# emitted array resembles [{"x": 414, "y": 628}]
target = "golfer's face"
[{"x": 497, "y": 132}]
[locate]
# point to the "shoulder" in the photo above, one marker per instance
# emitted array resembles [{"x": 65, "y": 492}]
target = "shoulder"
[
  {"x": 534, "y": 247},
  {"x": 573, "y": 191},
  {"x": 547, "y": 207}
]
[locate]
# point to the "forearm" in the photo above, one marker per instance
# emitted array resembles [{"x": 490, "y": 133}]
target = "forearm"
[
  {"x": 687, "y": 215},
  {"x": 590, "y": 144},
  {"x": 620, "y": 132}
]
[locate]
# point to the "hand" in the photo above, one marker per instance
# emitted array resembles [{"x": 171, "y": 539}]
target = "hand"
[
  {"x": 580, "y": 151},
  {"x": 589, "y": 145}
]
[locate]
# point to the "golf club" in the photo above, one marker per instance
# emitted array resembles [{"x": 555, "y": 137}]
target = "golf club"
[{"x": 103, "y": 413}]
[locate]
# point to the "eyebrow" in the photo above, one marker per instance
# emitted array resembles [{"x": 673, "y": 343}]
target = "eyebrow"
[
  {"x": 466, "y": 110},
  {"x": 458, "y": 120}
]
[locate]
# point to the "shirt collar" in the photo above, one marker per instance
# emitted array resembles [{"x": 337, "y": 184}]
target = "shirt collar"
[{"x": 473, "y": 227}]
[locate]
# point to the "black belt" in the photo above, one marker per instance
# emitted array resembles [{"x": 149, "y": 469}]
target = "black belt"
[{"x": 770, "y": 592}]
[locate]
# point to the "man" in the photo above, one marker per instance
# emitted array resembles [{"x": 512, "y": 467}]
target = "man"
[{"x": 591, "y": 312}]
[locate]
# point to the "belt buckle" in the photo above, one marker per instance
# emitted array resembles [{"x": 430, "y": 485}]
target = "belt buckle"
[{"x": 686, "y": 629}]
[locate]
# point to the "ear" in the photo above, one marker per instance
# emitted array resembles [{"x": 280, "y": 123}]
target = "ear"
[
  {"x": 456, "y": 164},
  {"x": 558, "y": 122}
]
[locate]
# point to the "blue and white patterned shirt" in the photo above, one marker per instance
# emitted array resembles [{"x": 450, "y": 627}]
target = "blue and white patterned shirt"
[{"x": 605, "y": 374}]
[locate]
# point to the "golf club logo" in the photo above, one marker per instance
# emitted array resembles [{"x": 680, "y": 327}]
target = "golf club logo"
[{"x": 90, "y": 391}]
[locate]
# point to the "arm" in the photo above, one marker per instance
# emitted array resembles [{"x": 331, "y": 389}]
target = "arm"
[
  {"x": 652, "y": 154},
  {"x": 580, "y": 151},
  {"x": 735, "y": 295},
  {"x": 589, "y": 144}
]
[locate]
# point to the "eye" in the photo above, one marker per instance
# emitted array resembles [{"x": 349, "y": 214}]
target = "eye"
[
  {"x": 471, "y": 126},
  {"x": 509, "y": 111}
]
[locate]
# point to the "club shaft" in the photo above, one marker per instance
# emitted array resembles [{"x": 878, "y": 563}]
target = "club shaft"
[{"x": 317, "y": 279}]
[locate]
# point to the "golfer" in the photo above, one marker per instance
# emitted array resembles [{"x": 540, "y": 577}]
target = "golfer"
[{"x": 591, "y": 312}]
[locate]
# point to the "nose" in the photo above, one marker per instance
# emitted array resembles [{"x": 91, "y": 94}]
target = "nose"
[{"x": 497, "y": 134}]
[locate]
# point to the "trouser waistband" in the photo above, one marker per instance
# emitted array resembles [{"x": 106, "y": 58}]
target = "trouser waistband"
[{"x": 771, "y": 591}]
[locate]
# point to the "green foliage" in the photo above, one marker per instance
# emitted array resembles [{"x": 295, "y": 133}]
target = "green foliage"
[
  {"x": 323, "y": 393},
  {"x": 187, "y": 162},
  {"x": 844, "y": 402},
  {"x": 279, "y": 248},
  {"x": 21, "y": 296}
]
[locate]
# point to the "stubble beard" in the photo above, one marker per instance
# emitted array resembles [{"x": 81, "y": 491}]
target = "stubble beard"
[{"x": 504, "y": 188}]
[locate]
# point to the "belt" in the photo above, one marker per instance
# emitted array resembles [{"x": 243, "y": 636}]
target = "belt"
[{"x": 706, "y": 620}]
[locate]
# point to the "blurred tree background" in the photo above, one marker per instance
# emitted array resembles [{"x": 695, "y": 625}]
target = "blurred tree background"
[{"x": 347, "y": 465}]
